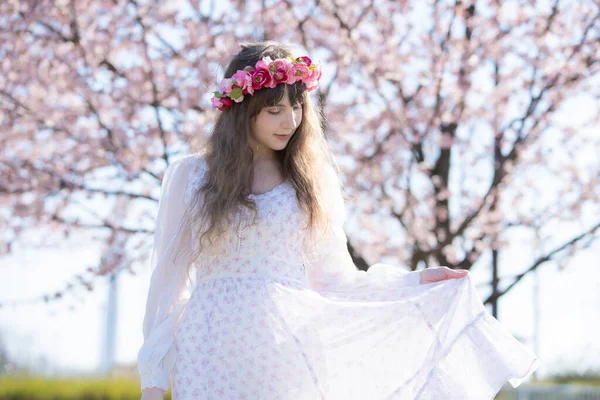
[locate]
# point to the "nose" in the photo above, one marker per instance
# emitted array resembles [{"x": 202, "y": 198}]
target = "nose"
[{"x": 290, "y": 122}]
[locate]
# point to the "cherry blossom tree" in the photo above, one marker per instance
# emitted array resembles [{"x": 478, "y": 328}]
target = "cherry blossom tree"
[{"x": 452, "y": 121}]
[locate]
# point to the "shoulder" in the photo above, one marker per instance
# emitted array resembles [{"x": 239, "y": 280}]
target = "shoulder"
[
  {"x": 185, "y": 167},
  {"x": 184, "y": 174},
  {"x": 190, "y": 161},
  {"x": 190, "y": 169}
]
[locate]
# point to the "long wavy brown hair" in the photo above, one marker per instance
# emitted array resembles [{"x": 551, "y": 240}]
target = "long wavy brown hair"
[{"x": 229, "y": 156}]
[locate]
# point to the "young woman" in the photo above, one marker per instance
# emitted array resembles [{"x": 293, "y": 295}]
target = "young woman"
[{"x": 278, "y": 310}]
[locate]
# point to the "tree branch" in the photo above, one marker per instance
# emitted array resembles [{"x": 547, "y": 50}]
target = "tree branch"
[{"x": 544, "y": 259}]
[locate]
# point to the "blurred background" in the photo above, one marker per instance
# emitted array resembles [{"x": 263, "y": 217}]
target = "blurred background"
[{"x": 467, "y": 133}]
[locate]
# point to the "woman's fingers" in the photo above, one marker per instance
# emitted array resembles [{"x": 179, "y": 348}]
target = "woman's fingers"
[
  {"x": 436, "y": 274},
  {"x": 455, "y": 273}
]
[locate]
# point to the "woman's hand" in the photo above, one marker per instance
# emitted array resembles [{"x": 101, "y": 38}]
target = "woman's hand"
[
  {"x": 153, "y": 394},
  {"x": 435, "y": 274}
]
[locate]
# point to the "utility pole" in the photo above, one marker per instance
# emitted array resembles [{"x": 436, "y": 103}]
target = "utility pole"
[
  {"x": 536, "y": 316},
  {"x": 108, "y": 347},
  {"x": 495, "y": 282}
]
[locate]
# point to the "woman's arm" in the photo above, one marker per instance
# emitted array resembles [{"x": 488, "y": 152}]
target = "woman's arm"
[{"x": 168, "y": 293}]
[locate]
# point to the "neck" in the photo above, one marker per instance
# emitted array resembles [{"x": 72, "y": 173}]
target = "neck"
[{"x": 263, "y": 155}]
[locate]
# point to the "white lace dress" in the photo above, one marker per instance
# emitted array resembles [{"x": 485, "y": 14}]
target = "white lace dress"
[{"x": 267, "y": 320}]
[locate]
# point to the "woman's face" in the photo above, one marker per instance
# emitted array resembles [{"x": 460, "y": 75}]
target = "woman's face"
[{"x": 272, "y": 128}]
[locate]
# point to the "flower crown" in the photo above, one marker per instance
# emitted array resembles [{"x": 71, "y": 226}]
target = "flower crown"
[{"x": 266, "y": 73}]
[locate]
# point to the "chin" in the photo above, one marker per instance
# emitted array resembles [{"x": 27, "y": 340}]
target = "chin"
[{"x": 279, "y": 147}]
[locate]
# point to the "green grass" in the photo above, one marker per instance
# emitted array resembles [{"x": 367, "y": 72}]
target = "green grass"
[
  {"x": 38, "y": 388},
  {"x": 126, "y": 388}
]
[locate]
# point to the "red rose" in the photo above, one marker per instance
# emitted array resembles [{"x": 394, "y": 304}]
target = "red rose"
[{"x": 260, "y": 78}]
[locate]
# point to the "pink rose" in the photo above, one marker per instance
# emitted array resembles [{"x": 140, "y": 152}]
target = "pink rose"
[
  {"x": 226, "y": 84},
  {"x": 312, "y": 80},
  {"x": 280, "y": 69},
  {"x": 264, "y": 63},
  {"x": 311, "y": 85},
  {"x": 315, "y": 71},
  {"x": 262, "y": 76},
  {"x": 290, "y": 76},
  {"x": 216, "y": 102},
  {"x": 243, "y": 79},
  {"x": 305, "y": 60},
  {"x": 300, "y": 71}
]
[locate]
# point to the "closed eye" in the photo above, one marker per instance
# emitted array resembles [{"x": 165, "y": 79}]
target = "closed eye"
[{"x": 298, "y": 107}]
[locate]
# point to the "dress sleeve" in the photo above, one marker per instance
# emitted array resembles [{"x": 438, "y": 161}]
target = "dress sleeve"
[
  {"x": 328, "y": 264},
  {"x": 168, "y": 292}
]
